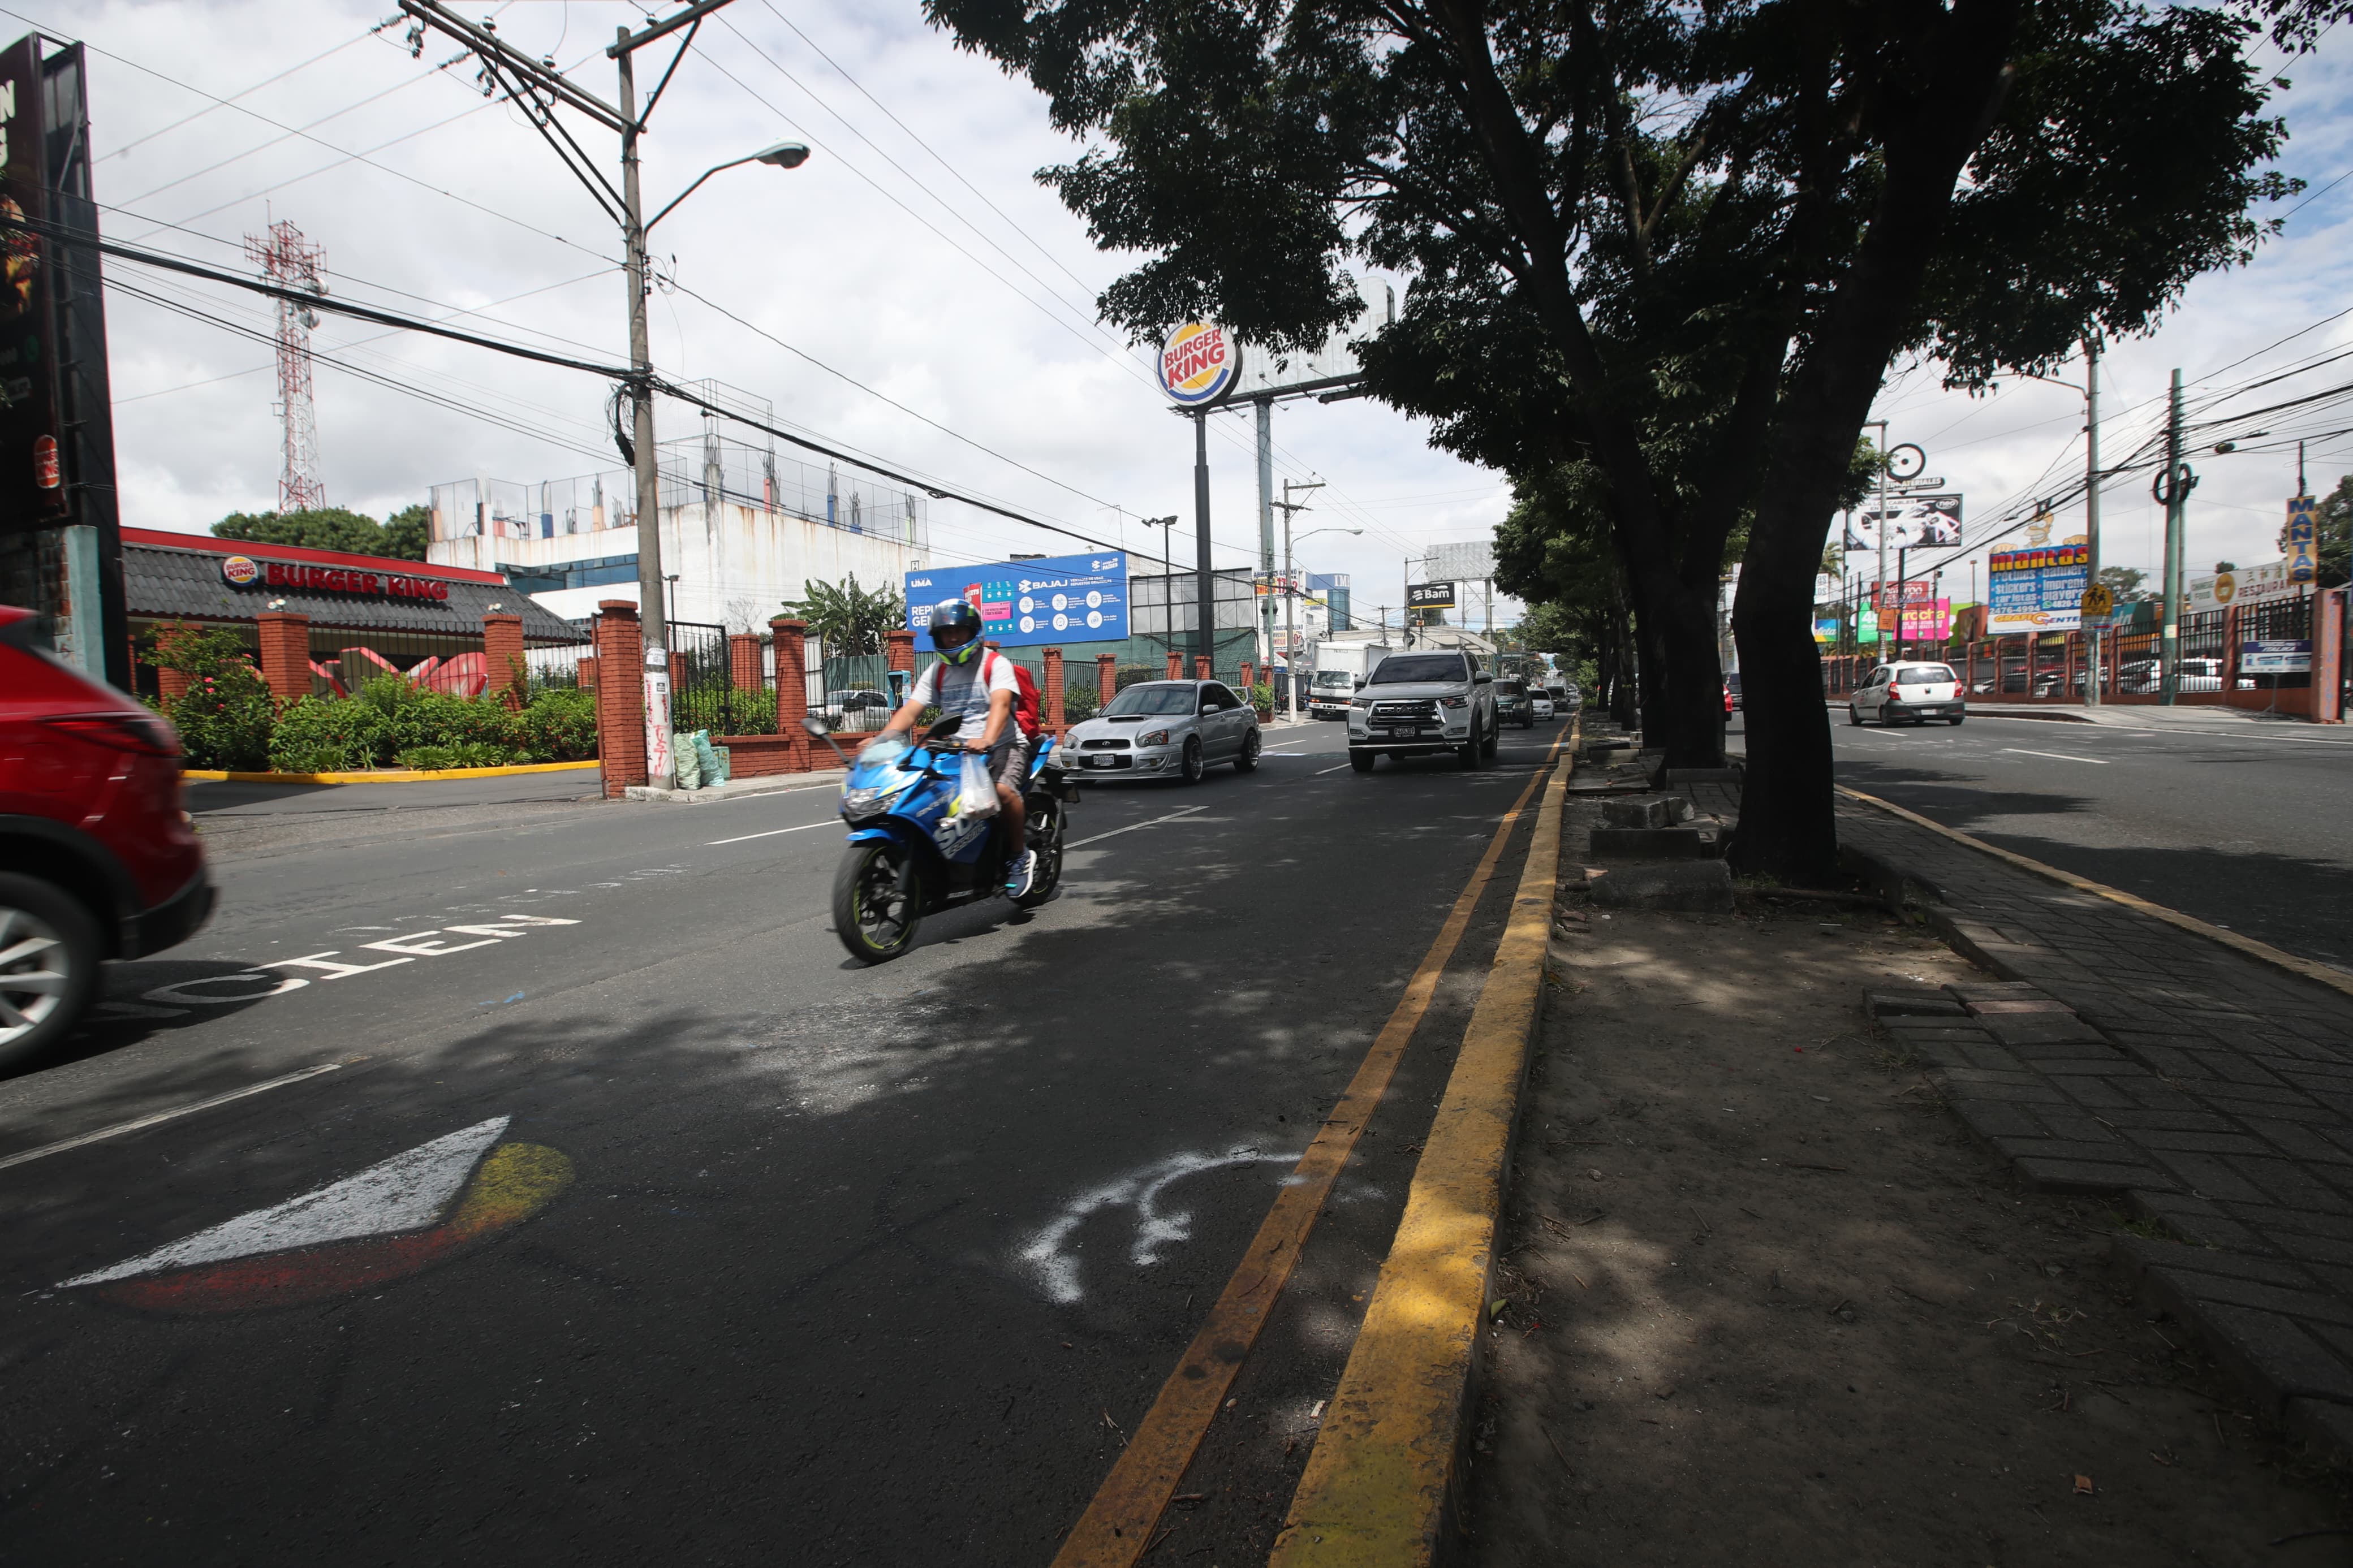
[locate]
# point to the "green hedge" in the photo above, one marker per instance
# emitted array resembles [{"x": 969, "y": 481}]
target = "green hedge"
[{"x": 392, "y": 725}]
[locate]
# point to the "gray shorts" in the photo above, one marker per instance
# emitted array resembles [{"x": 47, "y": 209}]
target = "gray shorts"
[{"x": 1008, "y": 761}]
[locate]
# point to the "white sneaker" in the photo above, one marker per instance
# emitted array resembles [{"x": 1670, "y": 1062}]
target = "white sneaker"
[{"x": 1024, "y": 872}]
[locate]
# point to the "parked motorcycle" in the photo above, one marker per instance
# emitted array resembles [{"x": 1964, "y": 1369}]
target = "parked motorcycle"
[{"x": 914, "y": 850}]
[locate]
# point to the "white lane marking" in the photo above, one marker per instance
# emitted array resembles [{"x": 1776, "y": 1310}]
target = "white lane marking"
[
  {"x": 500, "y": 928},
  {"x": 407, "y": 1192},
  {"x": 1057, "y": 1270},
  {"x": 746, "y": 838},
  {"x": 1132, "y": 827},
  {"x": 120, "y": 1128},
  {"x": 2195, "y": 731},
  {"x": 2057, "y": 756},
  {"x": 1321, "y": 772}
]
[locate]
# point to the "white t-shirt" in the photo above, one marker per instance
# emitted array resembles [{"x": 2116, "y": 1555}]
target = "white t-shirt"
[{"x": 962, "y": 690}]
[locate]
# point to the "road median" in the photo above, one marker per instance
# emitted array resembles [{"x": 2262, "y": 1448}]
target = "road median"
[{"x": 1382, "y": 1485}]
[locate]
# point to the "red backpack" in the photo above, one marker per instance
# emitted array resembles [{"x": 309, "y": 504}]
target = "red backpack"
[{"x": 1024, "y": 699}]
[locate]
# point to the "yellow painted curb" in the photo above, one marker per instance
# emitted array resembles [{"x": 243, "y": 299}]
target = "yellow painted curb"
[
  {"x": 2262, "y": 953},
  {"x": 1379, "y": 1486},
  {"x": 386, "y": 775}
]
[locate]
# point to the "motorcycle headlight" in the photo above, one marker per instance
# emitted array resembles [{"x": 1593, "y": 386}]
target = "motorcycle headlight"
[
  {"x": 1156, "y": 738},
  {"x": 868, "y": 799}
]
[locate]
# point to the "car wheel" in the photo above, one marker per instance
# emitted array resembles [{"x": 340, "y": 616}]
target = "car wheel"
[
  {"x": 1248, "y": 762},
  {"x": 1361, "y": 761},
  {"x": 1190, "y": 768},
  {"x": 1470, "y": 755},
  {"x": 1853, "y": 714},
  {"x": 49, "y": 966},
  {"x": 1494, "y": 739}
]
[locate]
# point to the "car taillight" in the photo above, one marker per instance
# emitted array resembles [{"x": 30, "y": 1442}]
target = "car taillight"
[{"x": 144, "y": 732}]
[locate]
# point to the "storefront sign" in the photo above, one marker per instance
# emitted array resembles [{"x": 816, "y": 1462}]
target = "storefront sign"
[
  {"x": 1027, "y": 604},
  {"x": 2264, "y": 585},
  {"x": 2037, "y": 590},
  {"x": 1429, "y": 595},
  {"x": 244, "y": 571},
  {"x": 1198, "y": 364},
  {"x": 2276, "y": 656}
]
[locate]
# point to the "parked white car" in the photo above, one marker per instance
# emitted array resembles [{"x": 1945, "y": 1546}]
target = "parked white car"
[
  {"x": 1542, "y": 701},
  {"x": 1917, "y": 692}
]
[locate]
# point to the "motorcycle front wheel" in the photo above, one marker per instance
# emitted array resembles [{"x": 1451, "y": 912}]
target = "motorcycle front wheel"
[
  {"x": 874, "y": 917},
  {"x": 1047, "y": 845}
]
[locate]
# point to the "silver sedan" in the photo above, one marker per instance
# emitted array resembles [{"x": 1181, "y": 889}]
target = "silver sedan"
[{"x": 1166, "y": 729}]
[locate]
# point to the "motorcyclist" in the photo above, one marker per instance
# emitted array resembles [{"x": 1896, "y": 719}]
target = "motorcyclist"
[{"x": 967, "y": 684}]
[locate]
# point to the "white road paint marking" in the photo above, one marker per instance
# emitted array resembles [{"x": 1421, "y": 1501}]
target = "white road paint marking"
[
  {"x": 2057, "y": 756},
  {"x": 1132, "y": 827},
  {"x": 416, "y": 944},
  {"x": 120, "y": 1128},
  {"x": 1321, "y": 772},
  {"x": 1057, "y": 1270},
  {"x": 746, "y": 838},
  {"x": 407, "y": 1192}
]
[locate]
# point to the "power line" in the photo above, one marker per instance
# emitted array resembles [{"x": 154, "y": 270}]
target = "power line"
[{"x": 256, "y": 87}]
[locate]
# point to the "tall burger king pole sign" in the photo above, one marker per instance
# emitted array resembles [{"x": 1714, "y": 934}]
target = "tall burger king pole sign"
[{"x": 1199, "y": 364}]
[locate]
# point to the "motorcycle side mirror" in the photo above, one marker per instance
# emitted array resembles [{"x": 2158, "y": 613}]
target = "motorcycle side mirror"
[{"x": 816, "y": 726}]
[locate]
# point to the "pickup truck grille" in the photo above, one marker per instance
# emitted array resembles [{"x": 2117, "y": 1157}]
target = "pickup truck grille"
[{"x": 1420, "y": 712}]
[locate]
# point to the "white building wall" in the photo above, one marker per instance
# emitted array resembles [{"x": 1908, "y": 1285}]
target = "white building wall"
[{"x": 736, "y": 564}]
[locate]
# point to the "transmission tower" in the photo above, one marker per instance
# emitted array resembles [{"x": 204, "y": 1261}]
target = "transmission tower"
[{"x": 286, "y": 258}]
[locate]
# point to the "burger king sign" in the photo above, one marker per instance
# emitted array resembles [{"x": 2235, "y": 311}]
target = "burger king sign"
[{"x": 1200, "y": 364}]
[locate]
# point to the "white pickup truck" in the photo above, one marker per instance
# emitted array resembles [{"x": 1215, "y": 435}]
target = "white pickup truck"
[{"x": 1415, "y": 704}]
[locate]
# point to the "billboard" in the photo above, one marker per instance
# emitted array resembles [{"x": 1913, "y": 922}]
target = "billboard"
[
  {"x": 1913, "y": 522},
  {"x": 1027, "y": 604},
  {"x": 2037, "y": 590},
  {"x": 1271, "y": 373},
  {"x": 1429, "y": 597},
  {"x": 2261, "y": 585}
]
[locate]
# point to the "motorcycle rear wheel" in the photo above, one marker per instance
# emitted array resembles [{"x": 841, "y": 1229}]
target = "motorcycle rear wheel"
[{"x": 875, "y": 921}]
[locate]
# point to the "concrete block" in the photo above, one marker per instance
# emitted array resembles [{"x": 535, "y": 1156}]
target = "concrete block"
[
  {"x": 1655, "y": 842},
  {"x": 1645, "y": 811},
  {"x": 2018, "y": 1004},
  {"x": 2094, "y": 1178},
  {"x": 1702, "y": 885},
  {"x": 1882, "y": 1004},
  {"x": 1704, "y": 776},
  {"x": 2139, "y": 1255},
  {"x": 2038, "y": 1028}
]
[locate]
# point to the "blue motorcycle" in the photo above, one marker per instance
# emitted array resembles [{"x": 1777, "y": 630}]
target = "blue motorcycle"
[{"x": 913, "y": 851}]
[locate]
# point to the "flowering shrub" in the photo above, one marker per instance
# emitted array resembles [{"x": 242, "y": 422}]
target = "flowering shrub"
[{"x": 225, "y": 717}]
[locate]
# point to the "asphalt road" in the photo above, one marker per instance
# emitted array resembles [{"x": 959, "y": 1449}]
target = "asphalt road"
[
  {"x": 707, "y": 1244},
  {"x": 2249, "y": 828}
]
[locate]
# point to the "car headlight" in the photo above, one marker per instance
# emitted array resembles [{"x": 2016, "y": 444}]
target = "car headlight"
[
  {"x": 1454, "y": 701},
  {"x": 1156, "y": 738},
  {"x": 1360, "y": 702}
]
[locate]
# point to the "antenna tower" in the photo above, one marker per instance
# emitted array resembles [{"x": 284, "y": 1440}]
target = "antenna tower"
[{"x": 286, "y": 258}]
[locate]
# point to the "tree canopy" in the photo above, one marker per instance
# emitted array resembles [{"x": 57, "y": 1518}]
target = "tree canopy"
[
  {"x": 850, "y": 618},
  {"x": 401, "y": 537}
]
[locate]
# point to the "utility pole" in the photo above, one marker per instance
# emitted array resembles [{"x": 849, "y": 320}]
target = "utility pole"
[
  {"x": 2171, "y": 490},
  {"x": 1266, "y": 522},
  {"x": 1290, "y": 597},
  {"x": 2092, "y": 502},
  {"x": 537, "y": 88},
  {"x": 1879, "y": 592}
]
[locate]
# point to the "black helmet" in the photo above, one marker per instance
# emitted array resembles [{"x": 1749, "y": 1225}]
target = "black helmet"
[{"x": 948, "y": 615}]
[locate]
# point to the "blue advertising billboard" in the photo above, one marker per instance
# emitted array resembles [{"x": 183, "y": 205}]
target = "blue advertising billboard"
[{"x": 1024, "y": 603}]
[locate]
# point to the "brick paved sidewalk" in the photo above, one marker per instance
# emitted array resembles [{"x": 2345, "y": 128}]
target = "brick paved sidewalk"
[{"x": 2203, "y": 1089}]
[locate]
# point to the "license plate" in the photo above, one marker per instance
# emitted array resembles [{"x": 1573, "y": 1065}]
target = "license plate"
[{"x": 1102, "y": 762}]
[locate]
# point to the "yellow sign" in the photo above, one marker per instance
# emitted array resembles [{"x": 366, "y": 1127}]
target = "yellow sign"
[{"x": 2099, "y": 602}]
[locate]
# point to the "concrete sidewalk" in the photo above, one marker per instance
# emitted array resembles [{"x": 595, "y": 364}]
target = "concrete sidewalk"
[{"x": 2208, "y": 1092}]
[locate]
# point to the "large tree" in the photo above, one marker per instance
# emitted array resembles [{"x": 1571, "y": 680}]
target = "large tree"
[
  {"x": 401, "y": 537},
  {"x": 1710, "y": 226}
]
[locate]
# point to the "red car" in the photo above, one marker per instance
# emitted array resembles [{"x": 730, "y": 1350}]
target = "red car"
[{"x": 97, "y": 858}]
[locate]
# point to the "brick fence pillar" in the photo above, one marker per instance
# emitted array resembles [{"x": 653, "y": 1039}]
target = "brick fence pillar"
[
  {"x": 588, "y": 674},
  {"x": 171, "y": 685},
  {"x": 620, "y": 700},
  {"x": 1248, "y": 669},
  {"x": 743, "y": 660},
  {"x": 286, "y": 654},
  {"x": 899, "y": 652},
  {"x": 1201, "y": 667},
  {"x": 791, "y": 638},
  {"x": 503, "y": 653},
  {"x": 1107, "y": 679},
  {"x": 1051, "y": 698},
  {"x": 1176, "y": 665}
]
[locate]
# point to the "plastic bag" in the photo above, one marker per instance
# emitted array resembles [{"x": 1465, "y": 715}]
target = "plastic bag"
[
  {"x": 715, "y": 772},
  {"x": 686, "y": 761},
  {"x": 975, "y": 790}
]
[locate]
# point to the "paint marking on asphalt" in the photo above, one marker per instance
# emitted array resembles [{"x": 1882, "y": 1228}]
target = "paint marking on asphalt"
[
  {"x": 1132, "y": 827},
  {"x": 120, "y": 1128},
  {"x": 2057, "y": 756},
  {"x": 1321, "y": 772},
  {"x": 1117, "y": 1528},
  {"x": 747, "y": 838}
]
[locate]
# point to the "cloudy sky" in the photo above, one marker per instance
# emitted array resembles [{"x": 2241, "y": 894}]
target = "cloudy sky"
[{"x": 912, "y": 261}]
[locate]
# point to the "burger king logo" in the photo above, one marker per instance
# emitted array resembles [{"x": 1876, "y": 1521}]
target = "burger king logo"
[
  {"x": 1198, "y": 363},
  {"x": 238, "y": 571}
]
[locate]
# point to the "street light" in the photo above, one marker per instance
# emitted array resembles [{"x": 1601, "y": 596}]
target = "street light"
[
  {"x": 782, "y": 155},
  {"x": 1169, "y": 576},
  {"x": 1290, "y": 598}
]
